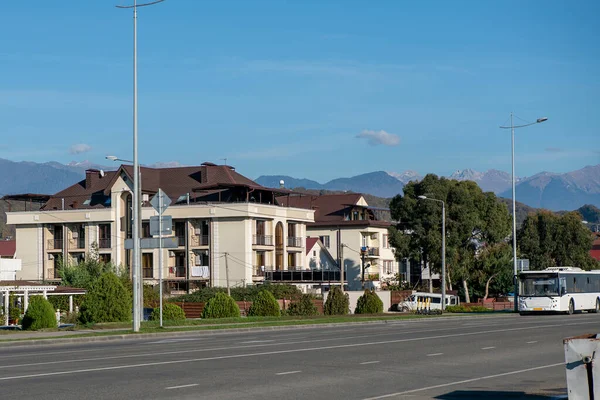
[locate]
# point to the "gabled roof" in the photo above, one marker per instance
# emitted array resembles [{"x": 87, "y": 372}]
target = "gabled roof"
[
  {"x": 8, "y": 248},
  {"x": 310, "y": 243},
  {"x": 94, "y": 191},
  {"x": 330, "y": 209}
]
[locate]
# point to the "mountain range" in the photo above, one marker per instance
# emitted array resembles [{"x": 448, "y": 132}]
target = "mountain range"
[{"x": 567, "y": 191}]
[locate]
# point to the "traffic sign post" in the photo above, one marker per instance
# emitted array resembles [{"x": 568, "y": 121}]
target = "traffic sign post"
[{"x": 160, "y": 202}]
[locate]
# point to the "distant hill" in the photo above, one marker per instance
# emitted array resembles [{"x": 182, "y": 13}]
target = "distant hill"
[
  {"x": 567, "y": 191},
  {"x": 378, "y": 183},
  {"x": 30, "y": 177}
]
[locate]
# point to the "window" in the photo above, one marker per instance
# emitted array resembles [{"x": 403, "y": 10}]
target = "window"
[
  {"x": 388, "y": 267},
  {"x": 147, "y": 265},
  {"x": 325, "y": 240},
  {"x": 260, "y": 227},
  {"x": 364, "y": 240},
  {"x": 386, "y": 243},
  {"x": 105, "y": 258},
  {"x": 291, "y": 260},
  {"x": 314, "y": 253}
]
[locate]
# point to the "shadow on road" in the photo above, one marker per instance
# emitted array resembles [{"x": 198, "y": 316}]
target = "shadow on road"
[{"x": 498, "y": 395}]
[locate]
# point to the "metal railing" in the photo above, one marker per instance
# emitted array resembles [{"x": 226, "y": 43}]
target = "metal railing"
[
  {"x": 303, "y": 276},
  {"x": 262, "y": 240},
  {"x": 199, "y": 240},
  {"x": 104, "y": 244},
  {"x": 294, "y": 241},
  {"x": 55, "y": 244},
  {"x": 373, "y": 251},
  {"x": 78, "y": 243},
  {"x": 259, "y": 270},
  {"x": 177, "y": 272}
]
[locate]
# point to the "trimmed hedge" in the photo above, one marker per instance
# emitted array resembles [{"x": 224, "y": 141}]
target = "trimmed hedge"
[
  {"x": 39, "y": 315},
  {"x": 264, "y": 305},
  {"x": 171, "y": 312},
  {"x": 303, "y": 307},
  {"x": 467, "y": 309},
  {"x": 337, "y": 303},
  {"x": 369, "y": 303},
  {"x": 221, "y": 306},
  {"x": 107, "y": 301}
]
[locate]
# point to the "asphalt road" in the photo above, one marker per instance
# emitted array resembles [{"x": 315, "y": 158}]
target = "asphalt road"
[{"x": 452, "y": 358}]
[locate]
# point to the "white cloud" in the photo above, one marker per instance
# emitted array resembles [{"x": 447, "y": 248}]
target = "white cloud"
[
  {"x": 379, "y": 137},
  {"x": 80, "y": 148}
]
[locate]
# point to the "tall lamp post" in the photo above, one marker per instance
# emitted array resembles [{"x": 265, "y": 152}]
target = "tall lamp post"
[
  {"x": 443, "y": 248},
  {"x": 512, "y": 128},
  {"x": 136, "y": 269},
  {"x": 136, "y": 168}
]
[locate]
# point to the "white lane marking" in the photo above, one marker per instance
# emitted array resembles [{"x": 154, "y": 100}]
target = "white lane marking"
[
  {"x": 434, "y": 354},
  {"x": 70, "y": 361},
  {"x": 488, "y": 348},
  {"x": 533, "y": 341},
  {"x": 385, "y": 396},
  {"x": 182, "y": 386},
  {"x": 288, "y": 373},
  {"x": 256, "y": 341},
  {"x": 369, "y": 362}
]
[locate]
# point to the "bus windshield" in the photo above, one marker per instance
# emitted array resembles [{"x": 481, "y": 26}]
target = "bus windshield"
[{"x": 539, "y": 285}]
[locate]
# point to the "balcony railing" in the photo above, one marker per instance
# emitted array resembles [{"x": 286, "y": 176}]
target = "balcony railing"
[
  {"x": 303, "y": 276},
  {"x": 177, "y": 272},
  {"x": 294, "y": 241},
  {"x": 78, "y": 243},
  {"x": 181, "y": 241},
  {"x": 52, "y": 273},
  {"x": 55, "y": 244},
  {"x": 104, "y": 244},
  {"x": 373, "y": 251},
  {"x": 262, "y": 240},
  {"x": 199, "y": 240},
  {"x": 259, "y": 270}
]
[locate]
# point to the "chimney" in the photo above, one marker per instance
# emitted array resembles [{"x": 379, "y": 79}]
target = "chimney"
[{"x": 91, "y": 176}]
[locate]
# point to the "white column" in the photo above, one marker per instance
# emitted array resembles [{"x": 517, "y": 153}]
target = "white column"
[
  {"x": 25, "y": 301},
  {"x": 46, "y": 295},
  {"x": 70, "y": 303},
  {"x": 5, "y": 295}
]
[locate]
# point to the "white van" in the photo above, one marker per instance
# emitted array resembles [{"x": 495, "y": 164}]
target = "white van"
[{"x": 431, "y": 301}]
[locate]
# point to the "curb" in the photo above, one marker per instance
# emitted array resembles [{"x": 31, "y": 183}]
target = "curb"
[{"x": 51, "y": 341}]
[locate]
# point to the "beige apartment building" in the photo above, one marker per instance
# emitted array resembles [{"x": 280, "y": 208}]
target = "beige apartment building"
[
  {"x": 351, "y": 230},
  {"x": 221, "y": 220}
]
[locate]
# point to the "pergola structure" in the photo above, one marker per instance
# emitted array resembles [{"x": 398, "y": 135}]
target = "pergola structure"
[{"x": 25, "y": 289}]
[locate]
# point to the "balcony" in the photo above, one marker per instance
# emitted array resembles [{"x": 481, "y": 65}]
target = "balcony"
[
  {"x": 52, "y": 274},
  {"x": 373, "y": 252},
  {"x": 55, "y": 244},
  {"x": 104, "y": 244},
  {"x": 78, "y": 243},
  {"x": 199, "y": 240},
  {"x": 294, "y": 241},
  {"x": 303, "y": 276},
  {"x": 262, "y": 240},
  {"x": 177, "y": 272},
  {"x": 259, "y": 270}
]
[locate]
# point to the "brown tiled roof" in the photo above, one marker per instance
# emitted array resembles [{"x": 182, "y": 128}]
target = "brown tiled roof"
[
  {"x": 175, "y": 182},
  {"x": 8, "y": 248},
  {"x": 330, "y": 209}
]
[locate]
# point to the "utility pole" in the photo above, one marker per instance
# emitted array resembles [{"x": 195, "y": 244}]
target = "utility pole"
[
  {"x": 363, "y": 250},
  {"x": 227, "y": 274},
  {"x": 342, "y": 266}
]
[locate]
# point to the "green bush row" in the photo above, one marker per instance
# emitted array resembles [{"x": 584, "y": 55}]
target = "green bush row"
[
  {"x": 467, "y": 309},
  {"x": 249, "y": 293}
]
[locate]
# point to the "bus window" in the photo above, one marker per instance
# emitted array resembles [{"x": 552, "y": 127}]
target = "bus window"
[{"x": 453, "y": 300}]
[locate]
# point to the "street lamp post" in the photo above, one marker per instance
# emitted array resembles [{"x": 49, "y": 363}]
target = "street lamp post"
[
  {"x": 512, "y": 128},
  {"x": 136, "y": 272},
  {"x": 136, "y": 169},
  {"x": 443, "y": 249}
]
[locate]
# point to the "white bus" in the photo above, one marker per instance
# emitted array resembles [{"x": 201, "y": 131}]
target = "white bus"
[
  {"x": 431, "y": 301},
  {"x": 559, "y": 289}
]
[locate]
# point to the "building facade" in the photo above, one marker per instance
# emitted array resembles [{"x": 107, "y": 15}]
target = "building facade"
[{"x": 222, "y": 222}]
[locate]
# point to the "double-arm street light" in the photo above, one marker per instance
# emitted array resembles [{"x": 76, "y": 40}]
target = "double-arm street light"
[
  {"x": 443, "y": 249},
  {"x": 512, "y": 127}
]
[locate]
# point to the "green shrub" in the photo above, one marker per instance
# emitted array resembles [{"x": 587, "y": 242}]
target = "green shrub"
[
  {"x": 337, "y": 303},
  {"x": 303, "y": 307},
  {"x": 107, "y": 301},
  {"x": 249, "y": 293},
  {"x": 264, "y": 305},
  {"x": 369, "y": 303},
  {"x": 456, "y": 309},
  {"x": 171, "y": 312},
  {"x": 39, "y": 315},
  {"x": 221, "y": 306},
  {"x": 479, "y": 309}
]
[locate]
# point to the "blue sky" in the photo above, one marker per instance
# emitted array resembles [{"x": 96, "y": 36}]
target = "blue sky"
[{"x": 314, "y": 89}]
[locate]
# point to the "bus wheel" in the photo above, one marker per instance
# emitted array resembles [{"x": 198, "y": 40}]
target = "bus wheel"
[
  {"x": 597, "y": 309},
  {"x": 571, "y": 307}
]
